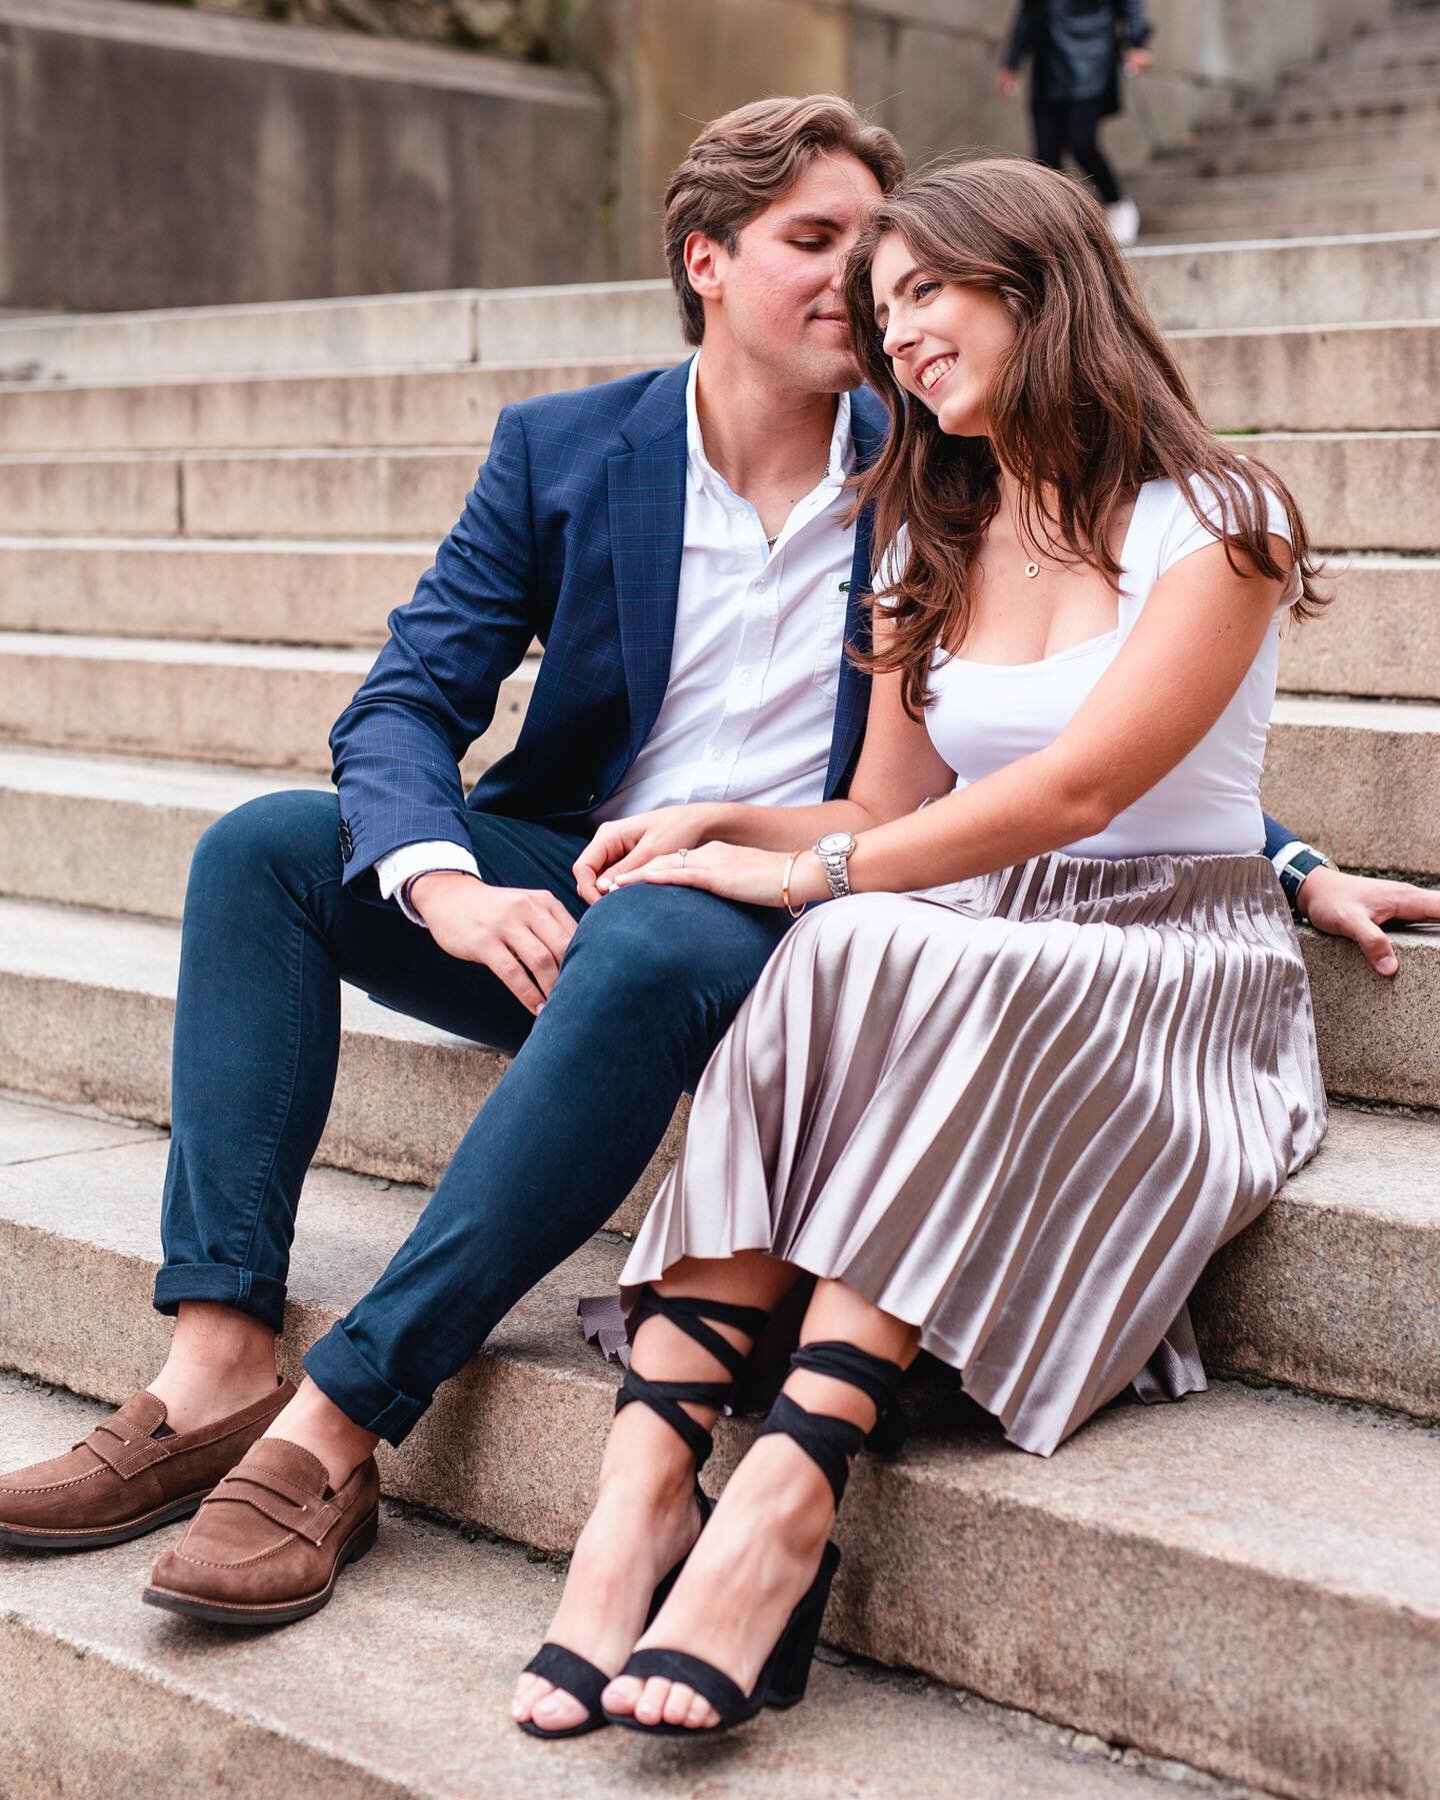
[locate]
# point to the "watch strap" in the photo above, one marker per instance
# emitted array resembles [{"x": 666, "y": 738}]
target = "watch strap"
[{"x": 1292, "y": 863}]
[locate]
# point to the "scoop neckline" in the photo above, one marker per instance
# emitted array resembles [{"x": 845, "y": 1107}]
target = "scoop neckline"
[{"x": 1091, "y": 643}]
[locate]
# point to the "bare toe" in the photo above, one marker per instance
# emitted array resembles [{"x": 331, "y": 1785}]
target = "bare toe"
[
  {"x": 677, "y": 1704},
  {"x": 558, "y": 1711},
  {"x": 622, "y": 1694},
  {"x": 528, "y": 1689},
  {"x": 702, "y": 1714},
  {"x": 651, "y": 1704}
]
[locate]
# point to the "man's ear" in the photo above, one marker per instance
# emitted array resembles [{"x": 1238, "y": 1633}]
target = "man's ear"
[{"x": 704, "y": 265}]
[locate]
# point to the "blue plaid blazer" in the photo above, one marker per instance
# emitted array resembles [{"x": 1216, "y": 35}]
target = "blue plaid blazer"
[{"x": 572, "y": 534}]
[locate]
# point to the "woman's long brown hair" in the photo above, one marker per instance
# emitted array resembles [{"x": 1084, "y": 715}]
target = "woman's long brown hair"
[{"x": 1085, "y": 406}]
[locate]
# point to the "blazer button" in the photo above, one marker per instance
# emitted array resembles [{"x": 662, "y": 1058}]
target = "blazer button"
[{"x": 347, "y": 843}]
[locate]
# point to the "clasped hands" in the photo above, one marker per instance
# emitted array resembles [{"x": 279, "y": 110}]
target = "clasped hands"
[{"x": 647, "y": 847}]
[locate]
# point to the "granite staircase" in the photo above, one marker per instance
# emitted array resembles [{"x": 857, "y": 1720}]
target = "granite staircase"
[
  {"x": 204, "y": 518},
  {"x": 1347, "y": 143}
]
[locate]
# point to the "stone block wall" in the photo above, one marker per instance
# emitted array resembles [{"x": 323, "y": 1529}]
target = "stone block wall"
[{"x": 151, "y": 156}]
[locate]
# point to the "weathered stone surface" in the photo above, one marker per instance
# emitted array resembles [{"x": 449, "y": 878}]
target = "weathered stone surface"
[
  {"x": 226, "y": 160},
  {"x": 1379, "y": 1038},
  {"x": 126, "y": 495},
  {"x": 1249, "y": 1582},
  {"x": 256, "y": 704},
  {"x": 1336, "y": 1287},
  {"x": 358, "y": 493},
  {"x": 86, "y": 1014},
  {"x": 1380, "y": 637},
  {"x": 1361, "y": 776},
  {"x": 251, "y": 591},
  {"x": 97, "y": 1689},
  {"x": 1360, "y": 490},
  {"x": 394, "y": 407},
  {"x": 1345, "y": 378}
]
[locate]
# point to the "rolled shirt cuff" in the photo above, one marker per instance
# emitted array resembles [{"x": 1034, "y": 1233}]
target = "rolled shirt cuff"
[{"x": 399, "y": 868}]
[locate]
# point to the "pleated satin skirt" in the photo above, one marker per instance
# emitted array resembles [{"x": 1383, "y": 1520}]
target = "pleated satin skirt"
[{"x": 1020, "y": 1112}]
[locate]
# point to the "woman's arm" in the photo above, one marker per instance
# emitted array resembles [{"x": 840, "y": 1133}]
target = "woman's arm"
[
  {"x": 1177, "y": 672},
  {"x": 1179, "y": 669},
  {"x": 899, "y": 768}
]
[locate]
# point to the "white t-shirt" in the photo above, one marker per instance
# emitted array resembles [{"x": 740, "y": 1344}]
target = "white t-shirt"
[{"x": 986, "y": 715}]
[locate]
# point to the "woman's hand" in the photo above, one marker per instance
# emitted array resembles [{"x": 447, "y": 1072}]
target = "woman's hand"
[
  {"x": 1137, "y": 61},
  {"x": 625, "y": 844},
  {"x": 755, "y": 877},
  {"x": 1007, "y": 83}
]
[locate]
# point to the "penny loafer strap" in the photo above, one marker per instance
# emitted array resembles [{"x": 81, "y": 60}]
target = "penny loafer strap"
[
  {"x": 279, "y": 1499},
  {"x": 125, "y": 1456}
]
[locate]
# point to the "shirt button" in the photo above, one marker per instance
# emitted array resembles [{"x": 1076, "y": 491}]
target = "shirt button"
[
  {"x": 743, "y": 678},
  {"x": 717, "y": 756}
]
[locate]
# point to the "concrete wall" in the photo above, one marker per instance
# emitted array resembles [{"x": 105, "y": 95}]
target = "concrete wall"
[
  {"x": 154, "y": 157},
  {"x": 926, "y": 68}
]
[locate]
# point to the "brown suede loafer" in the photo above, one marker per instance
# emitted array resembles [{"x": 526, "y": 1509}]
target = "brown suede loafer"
[
  {"x": 130, "y": 1475},
  {"x": 268, "y": 1544}
]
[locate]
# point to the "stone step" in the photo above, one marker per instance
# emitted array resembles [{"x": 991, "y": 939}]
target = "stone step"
[
  {"x": 255, "y": 590},
  {"x": 1337, "y": 111},
  {"x": 1360, "y": 776},
  {"x": 374, "y": 493},
  {"x": 329, "y": 1706},
  {"x": 1377, "y": 276},
  {"x": 1159, "y": 186},
  {"x": 1293, "y": 281},
  {"x": 1379, "y": 638},
  {"x": 1362, "y": 490},
  {"x": 1220, "y": 219},
  {"x": 260, "y": 705},
  {"x": 86, "y": 1015},
  {"x": 1335, "y": 378},
  {"x": 88, "y": 998},
  {"x": 1352, "y": 377},
  {"x": 369, "y": 331},
  {"x": 1256, "y": 151},
  {"x": 395, "y": 407},
  {"x": 1248, "y": 1581},
  {"x": 1389, "y": 484}
]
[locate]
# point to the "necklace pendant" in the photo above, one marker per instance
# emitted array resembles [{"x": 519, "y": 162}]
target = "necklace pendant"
[{"x": 1032, "y": 569}]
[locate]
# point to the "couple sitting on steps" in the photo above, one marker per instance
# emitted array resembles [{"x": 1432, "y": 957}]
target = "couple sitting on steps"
[{"x": 1039, "y": 1044}]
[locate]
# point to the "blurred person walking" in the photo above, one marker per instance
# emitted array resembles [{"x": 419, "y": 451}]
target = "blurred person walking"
[{"x": 1077, "y": 49}]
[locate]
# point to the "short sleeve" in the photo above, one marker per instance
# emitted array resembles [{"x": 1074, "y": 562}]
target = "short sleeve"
[
  {"x": 1185, "y": 534},
  {"x": 891, "y": 564}
]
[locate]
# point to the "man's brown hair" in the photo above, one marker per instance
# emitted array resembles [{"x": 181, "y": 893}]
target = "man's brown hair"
[{"x": 743, "y": 162}]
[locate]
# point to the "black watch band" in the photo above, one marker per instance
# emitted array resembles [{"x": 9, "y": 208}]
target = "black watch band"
[{"x": 1293, "y": 864}]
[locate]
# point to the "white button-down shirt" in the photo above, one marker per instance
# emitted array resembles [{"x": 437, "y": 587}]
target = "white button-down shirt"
[{"x": 749, "y": 706}]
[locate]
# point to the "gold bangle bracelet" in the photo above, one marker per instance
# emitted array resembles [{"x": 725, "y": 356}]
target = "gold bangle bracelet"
[{"x": 785, "y": 888}]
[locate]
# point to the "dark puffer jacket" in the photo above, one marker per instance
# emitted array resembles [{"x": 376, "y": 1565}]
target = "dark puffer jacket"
[{"x": 1076, "y": 47}]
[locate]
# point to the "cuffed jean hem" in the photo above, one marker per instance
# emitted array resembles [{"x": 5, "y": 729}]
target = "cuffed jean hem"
[
  {"x": 262, "y": 1296},
  {"x": 343, "y": 1375}
]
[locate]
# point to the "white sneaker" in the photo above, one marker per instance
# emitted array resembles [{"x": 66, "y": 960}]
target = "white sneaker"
[{"x": 1123, "y": 218}]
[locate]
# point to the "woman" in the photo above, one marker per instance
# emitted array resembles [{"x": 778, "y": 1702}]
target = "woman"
[
  {"x": 1005, "y": 1102},
  {"x": 1077, "y": 48}
]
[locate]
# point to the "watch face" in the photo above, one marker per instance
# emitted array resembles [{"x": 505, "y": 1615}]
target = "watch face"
[{"x": 836, "y": 843}]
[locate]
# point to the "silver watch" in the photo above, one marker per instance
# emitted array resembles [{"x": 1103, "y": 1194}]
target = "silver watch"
[{"x": 835, "y": 850}]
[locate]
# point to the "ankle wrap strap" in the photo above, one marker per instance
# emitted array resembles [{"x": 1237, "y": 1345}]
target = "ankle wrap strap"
[
  {"x": 689, "y": 1314},
  {"x": 830, "y": 1442}
]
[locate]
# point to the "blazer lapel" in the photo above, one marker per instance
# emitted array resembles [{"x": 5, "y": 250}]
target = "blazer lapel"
[
  {"x": 867, "y": 431},
  {"x": 647, "y": 536}
]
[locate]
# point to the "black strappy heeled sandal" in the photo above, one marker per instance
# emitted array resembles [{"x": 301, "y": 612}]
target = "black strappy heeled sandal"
[
  {"x": 573, "y": 1673},
  {"x": 830, "y": 1443}
]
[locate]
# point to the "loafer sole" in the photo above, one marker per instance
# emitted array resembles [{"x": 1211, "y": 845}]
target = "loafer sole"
[
  {"x": 283, "y": 1612},
  {"x": 96, "y": 1537}
]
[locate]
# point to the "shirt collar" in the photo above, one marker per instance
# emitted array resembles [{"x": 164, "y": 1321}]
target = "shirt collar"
[{"x": 842, "y": 444}]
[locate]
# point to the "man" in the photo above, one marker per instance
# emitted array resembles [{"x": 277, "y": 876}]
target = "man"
[{"x": 681, "y": 543}]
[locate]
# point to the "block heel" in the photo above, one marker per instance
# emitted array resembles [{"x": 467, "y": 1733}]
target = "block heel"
[{"x": 795, "y": 1653}]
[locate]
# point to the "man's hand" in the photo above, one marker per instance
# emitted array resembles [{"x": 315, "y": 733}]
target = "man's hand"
[
  {"x": 1138, "y": 61},
  {"x": 625, "y": 844},
  {"x": 1006, "y": 83},
  {"x": 1357, "y": 906},
  {"x": 519, "y": 934}
]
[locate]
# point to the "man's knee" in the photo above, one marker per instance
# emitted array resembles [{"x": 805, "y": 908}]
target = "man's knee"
[
  {"x": 670, "y": 948},
  {"x": 293, "y": 835}
]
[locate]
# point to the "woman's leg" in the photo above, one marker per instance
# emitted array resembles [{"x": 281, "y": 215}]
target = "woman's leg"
[
  {"x": 760, "y": 1551},
  {"x": 644, "y": 1519}
]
